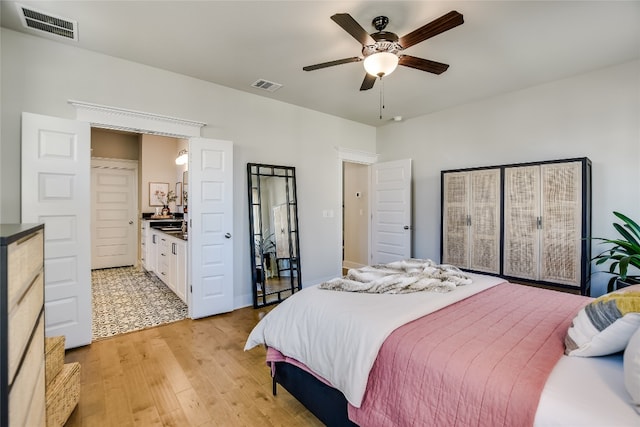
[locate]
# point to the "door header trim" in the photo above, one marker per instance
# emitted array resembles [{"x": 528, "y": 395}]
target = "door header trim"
[{"x": 107, "y": 117}]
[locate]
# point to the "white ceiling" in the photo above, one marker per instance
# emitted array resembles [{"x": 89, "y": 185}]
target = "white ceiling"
[{"x": 501, "y": 47}]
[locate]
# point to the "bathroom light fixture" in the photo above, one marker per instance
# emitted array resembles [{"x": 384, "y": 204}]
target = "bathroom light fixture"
[{"x": 183, "y": 157}]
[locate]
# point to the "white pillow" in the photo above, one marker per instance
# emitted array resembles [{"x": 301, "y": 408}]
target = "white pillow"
[
  {"x": 605, "y": 325},
  {"x": 632, "y": 368}
]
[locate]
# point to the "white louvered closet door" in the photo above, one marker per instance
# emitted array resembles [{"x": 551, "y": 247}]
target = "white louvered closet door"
[
  {"x": 455, "y": 239},
  {"x": 561, "y": 223},
  {"x": 521, "y": 214},
  {"x": 484, "y": 253}
]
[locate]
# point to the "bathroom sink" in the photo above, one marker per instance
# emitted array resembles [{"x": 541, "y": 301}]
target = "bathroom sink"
[{"x": 177, "y": 233}]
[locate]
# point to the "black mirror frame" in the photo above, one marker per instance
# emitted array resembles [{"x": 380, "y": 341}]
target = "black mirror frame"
[{"x": 254, "y": 172}]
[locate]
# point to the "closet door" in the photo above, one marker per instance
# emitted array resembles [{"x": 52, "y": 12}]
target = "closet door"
[
  {"x": 484, "y": 224},
  {"x": 561, "y": 223},
  {"x": 455, "y": 217},
  {"x": 471, "y": 220},
  {"x": 521, "y": 217},
  {"x": 543, "y": 222}
]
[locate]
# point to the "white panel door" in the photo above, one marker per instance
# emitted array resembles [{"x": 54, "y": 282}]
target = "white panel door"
[
  {"x": 391, "y": 211},
  {"x": 113, "y": 217},
  {"x": 211, "y": 225},
  {"x": 55, "y": 191}
]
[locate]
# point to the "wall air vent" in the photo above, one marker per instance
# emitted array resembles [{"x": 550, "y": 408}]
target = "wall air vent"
[
  {"x": 48, "y": 23},
  {"x": 266, "y": 85}
]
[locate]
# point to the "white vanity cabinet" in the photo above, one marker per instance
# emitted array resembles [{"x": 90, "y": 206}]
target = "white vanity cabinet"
[
  {"x": 152, "y": 249},
  {"x": 179, "y": 268},
  {"x": 146, "y": 246},
  {"x": 171, "y": 261},
  {"x": 165, "y": 255},
  {"x": 163, "y": 258}
]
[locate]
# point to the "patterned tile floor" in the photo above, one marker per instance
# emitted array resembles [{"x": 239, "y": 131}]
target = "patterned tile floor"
[{"x": 127, "y": 299}]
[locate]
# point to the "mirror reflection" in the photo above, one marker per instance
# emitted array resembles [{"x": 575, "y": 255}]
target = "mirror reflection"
[{"x": 273, "y": 221}]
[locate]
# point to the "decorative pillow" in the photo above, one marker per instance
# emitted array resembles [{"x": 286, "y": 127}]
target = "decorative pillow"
[
  {"x": 605, "y": 325},
  {"x": 632, "y": 369}
]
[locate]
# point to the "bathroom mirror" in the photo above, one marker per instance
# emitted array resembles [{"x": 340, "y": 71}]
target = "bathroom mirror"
[{"x": 273, "y": 233}]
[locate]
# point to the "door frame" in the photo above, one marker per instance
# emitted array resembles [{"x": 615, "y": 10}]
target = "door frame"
[
  {"x": 100, "y": 116},
  {"x": 346, "y": 155},
  {"x": 132, "y": 165}
]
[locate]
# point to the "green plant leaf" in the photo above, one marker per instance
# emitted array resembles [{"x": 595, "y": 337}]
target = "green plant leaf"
[
  {"x": 612, "y": 267},
  {"x": 624, "y": 250},
  {"x": 623, "y": 267},
  {"x": 628, "y": 236},
  {"x": 631, "y": 224}
]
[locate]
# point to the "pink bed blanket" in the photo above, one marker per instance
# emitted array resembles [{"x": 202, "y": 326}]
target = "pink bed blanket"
[{"x": 482, "y": 361}]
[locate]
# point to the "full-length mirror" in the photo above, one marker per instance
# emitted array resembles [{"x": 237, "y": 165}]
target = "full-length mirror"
[{"x": 273, "y": 225}]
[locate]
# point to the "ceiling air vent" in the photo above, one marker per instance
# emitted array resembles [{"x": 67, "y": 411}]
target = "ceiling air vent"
[
  {"x": 48, "y": 23},
  {"x": 266, "y": 85}
]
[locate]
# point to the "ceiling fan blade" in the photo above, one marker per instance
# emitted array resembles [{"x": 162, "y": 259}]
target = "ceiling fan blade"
[
  {"x": 331, "y": 63},
  {"x": 423, "y": 64},
  {"x": 352, "y": 27},
  {"x": 368, "y": 82},
  {"x": 433, "y": 28}
]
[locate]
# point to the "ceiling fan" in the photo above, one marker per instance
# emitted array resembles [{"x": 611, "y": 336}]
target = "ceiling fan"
[{"x": 382, "y": 50}]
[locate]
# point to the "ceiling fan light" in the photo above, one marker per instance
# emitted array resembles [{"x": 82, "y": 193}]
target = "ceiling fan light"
[{"x": 381, "y": 63}]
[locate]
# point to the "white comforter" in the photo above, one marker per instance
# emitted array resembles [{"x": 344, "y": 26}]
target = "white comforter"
[{"x": 320, "y": 344}]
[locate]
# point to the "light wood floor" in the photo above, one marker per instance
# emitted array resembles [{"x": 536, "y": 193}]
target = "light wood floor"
[{"x": 188, "y": 373}]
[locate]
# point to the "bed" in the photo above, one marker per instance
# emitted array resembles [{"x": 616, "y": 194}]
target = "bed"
[{"x": 486, "y": 352}]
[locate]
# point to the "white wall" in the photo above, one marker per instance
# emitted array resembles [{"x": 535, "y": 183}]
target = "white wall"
[
  {"x": 158, "y": 164},
  {"x": 40, "y": 76},
  {"x": 596, "y": 115}
]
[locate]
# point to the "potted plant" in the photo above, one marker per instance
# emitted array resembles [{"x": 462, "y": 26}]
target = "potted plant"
[
  {"x": 264, "y": 247},
  {"x": 625, "y": 252}
]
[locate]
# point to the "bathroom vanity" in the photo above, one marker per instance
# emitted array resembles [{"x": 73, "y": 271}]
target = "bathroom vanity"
[{"x": 164, "y": 253}]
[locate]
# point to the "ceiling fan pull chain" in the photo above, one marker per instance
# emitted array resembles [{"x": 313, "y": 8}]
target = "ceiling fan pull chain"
[
  {"x": 381, "y": 96},
  {"x": 380, "y": 102},
  {"x": 382, "y": 84}
]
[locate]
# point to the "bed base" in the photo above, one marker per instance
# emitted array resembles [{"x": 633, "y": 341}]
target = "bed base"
[{"x": 326, "y": 403}]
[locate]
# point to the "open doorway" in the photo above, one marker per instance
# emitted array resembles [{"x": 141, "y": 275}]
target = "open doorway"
[
  {"x": 355, "y": 215},
  {"x": 126, "y": 297}
]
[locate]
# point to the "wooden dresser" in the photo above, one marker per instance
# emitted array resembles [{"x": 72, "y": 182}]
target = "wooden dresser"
[{"x": 22, "y": 382}]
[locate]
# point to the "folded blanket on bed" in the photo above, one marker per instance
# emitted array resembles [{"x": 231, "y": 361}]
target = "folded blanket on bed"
[
  {"x": 482, "y": 361},
  {"x": 401, "y": 277}
]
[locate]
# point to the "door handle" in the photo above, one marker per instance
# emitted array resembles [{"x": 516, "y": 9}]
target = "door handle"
[
  {"x": 227, "y": 235},
  {"x": 130, "y": 222},
  {"x": 406, "y": 227}
]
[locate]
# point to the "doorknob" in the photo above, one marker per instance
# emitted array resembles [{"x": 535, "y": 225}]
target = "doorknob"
[
  {"x": 227, "y": 235},
  {"x": 130, "y": 222},
  {"x": 406, "y": 227}
]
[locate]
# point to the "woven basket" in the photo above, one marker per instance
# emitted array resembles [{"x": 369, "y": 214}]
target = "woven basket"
[
  {"x": 63, "y": 395},
  {"x": 54, "y": 357}
]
